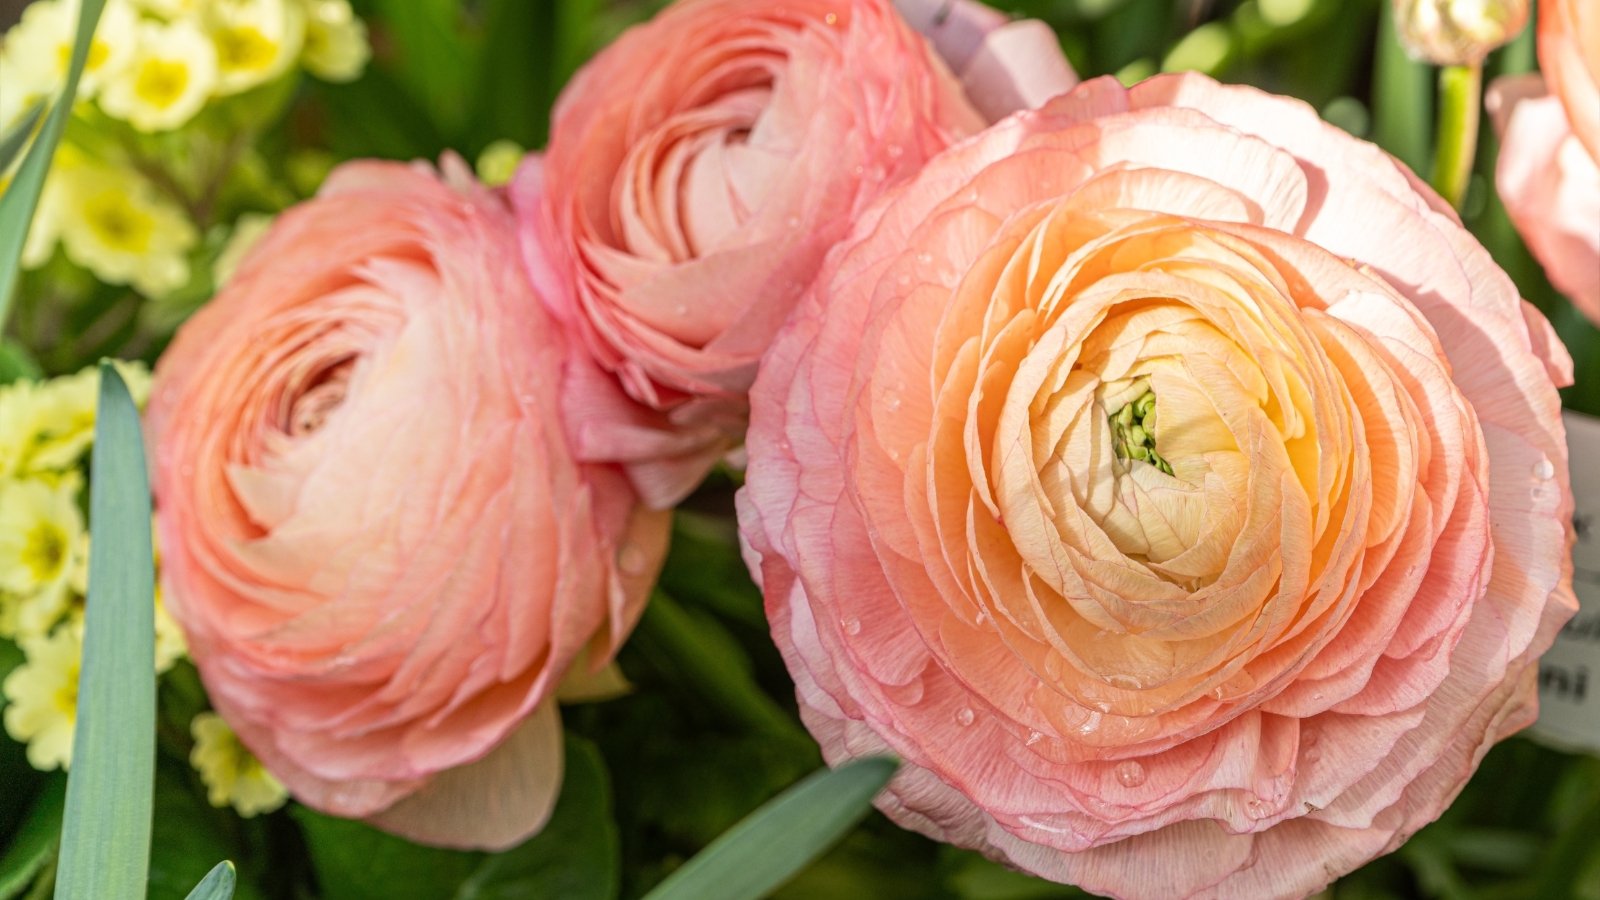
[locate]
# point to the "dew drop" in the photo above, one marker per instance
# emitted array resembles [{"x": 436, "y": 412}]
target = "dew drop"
[
  {"x": 895, "y": 151},
  {"x": 783, "y": 446},
  {"x": 681, "y": 310},
  {"x": 904, "y": 279},
  {"x": 982, "y": 619},
  {"x": 1257, "y": 809},
  {"x": 891, "y": 402},
  {"x": 1034, "y": 737},
  {"x": 925, "y": 258},
  {"x": 851, "y": 625},
  {"x": 1130, "y": 773},
  {"x": 965, "y": 717},
  {"x": 1126, "y": 682},
  {"x": 1544, "y": 470},
  {"x": 794, "y": 222}
]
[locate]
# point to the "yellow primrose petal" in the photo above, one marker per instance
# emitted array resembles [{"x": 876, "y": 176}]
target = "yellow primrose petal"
[
  {"x": 64, "y": 412},
  {"x": 256, "y": 41},
  {"x": 170, "y": 644},
  {"x": 336, "y": 41},
  {"x": 249, "y": 229},
  {"x": 232, "y": 774},
  {"x": 20, "y": 425},
  {"x": 42, "y": 696},
  {"x": 115, "y": 225},
  {"x": 39, "y": 526},
  {"x": 169, "y": 79},
  {"x": 42, "y": 44}
]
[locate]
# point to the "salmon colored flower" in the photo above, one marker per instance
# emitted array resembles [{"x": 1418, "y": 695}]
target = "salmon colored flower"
[
  {"x": 375, "y": 534},
  {"x": 1549, "y": 168},
  {"x": 1174, "y": 484},
  {"x": 698, "y": 170}
]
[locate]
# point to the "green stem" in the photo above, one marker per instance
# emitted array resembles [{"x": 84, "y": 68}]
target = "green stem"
[{"x": 1460, "y": 99}]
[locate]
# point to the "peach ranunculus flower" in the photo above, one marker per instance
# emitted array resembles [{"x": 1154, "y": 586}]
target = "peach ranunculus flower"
[
  {"x": 1174, "y": 484},
  {"x": 700, "y": 167},
  {"x": 1549, "y": 168},
  {"x": 376, "y": 536}
]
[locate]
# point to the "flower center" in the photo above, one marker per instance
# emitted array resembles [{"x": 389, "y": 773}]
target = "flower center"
[
  {"x": 1133, "y": 432},
  {"x": 44, "y": 552},
  {"x": 161, "y": 82},
  {"x": 244, "y": 49}
]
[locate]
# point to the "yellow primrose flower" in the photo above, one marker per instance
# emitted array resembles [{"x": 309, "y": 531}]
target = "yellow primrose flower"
[
  {"x": 19, "y": 426},
  {"x": 336, "y": 41},
  {"x": 249, "y": 229},
  {"x": 65, "y": 410},
  {"x": 116, "y": 226},
  {"x": 498, "y": 162},
  {"x": 41, "y": 47},
  {"x": 232, "y": 774},
  {"x": 256, "y": 41},
  {"x": 168, "y": 80},
  {"x": 170, "y": 9},
  {"x": 43, "y": 697},
  {"x": 39, "y": 528},
  {"x": 170, "y": 643}
]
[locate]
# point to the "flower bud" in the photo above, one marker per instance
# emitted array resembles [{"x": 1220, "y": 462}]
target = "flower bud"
[{"x": 1457, "y": 32}]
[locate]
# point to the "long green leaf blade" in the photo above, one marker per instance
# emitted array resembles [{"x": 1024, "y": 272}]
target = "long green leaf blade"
[
  {"x": 12, "y": 143},
  {"x": 105, "y": 842},
  {"x": 18, "y": 202},
  {"x": 775, "y": 842},
  {"x": 217, "y": 885}
]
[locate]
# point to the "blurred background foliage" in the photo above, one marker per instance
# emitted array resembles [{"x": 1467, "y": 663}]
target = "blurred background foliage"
[{"x": 710, "y": 730}]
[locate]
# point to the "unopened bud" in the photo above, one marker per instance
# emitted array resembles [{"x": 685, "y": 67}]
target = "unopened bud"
[{"x": 1457, "y": 32}]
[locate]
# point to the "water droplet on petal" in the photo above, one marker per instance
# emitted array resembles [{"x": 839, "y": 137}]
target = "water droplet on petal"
[
  {"x": 925, "y": 258},
  {"x": 851, "y": 625},
  {"x": 681, "y": 310},
  {"x": 891, "y": 402},
  {"x": 895, "y": 151},
  {"x": 1544, "y": 470},
  {"x": 1034, "y": 737},
  {"x": 1256, "y": 808},
  {"x": 965, "y": 717},
  {"x": 794, "y": 222},
  {"x": 1130, "y": 773}
]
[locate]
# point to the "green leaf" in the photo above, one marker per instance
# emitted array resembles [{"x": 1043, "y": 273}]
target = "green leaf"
[
  {"x": 576, "y": 855},
  {"x": 514, "y": 83},
  {"x": 217, "y": 885},
  {"x": 16, "y": 362},
  {"x": 782, "y": 837},
  {"x": 35, "y": 842},
  {"x": 105, "y": 842},
  {"x": 22, "y": 197},
  {"x": 704, "y": 656},
  {"x": 11, "y": 144},
  {"x": 189, "y": 835},
  {"x": 434, "y": 59},
  {"x": 1402, "y": 99}
]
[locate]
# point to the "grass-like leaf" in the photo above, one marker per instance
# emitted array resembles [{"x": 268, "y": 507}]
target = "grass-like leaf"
[
  {"x": 776, "y": 841},
  {"x": 11, "y": 144},
  {"x": 217, "y": 885},
  {"x": 22, "y": 196},
  {"x": 105, "y": 841}
]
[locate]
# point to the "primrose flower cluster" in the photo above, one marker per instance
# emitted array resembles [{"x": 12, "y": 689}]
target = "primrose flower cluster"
[
  {"x": 164, "y": 85},
  {"x": 46, "y": 433}
]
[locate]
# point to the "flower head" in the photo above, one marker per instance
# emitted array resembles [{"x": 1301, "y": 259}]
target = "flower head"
[
  {"x": 173, "y": 72},
  {"x": 256, "y": 40},
  {"x": 114, "y": 224},
  {"x": 336, "y": 47},
  {"x": 40, "y": 527},
  {"x": 232, "y": 774},
  {"x": 42, "y": 697},
  {"x": 1174, "y": 484}
]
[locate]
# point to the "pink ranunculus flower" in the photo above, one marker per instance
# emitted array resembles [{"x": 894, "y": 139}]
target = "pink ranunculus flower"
[
  {"x": 1174, "y": 484},
  {"x": 375, "y": 534},
  {"x": 700, "y": 167},
  {"x": 1549, "y": 168}
]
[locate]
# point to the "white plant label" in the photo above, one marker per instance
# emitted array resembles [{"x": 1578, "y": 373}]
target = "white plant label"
[{"x": 1569, "y": 675}]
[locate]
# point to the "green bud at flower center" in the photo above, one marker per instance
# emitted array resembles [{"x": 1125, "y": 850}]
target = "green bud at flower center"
[{"x": 1133, "y": 434}]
